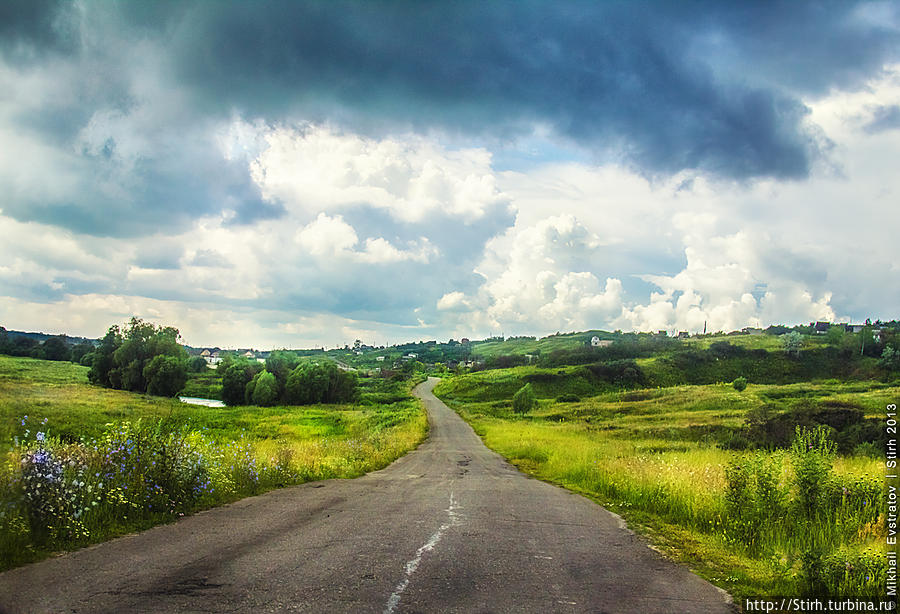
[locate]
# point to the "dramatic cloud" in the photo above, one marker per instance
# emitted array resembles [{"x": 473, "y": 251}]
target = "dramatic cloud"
[{"x": 308, "y": 172}]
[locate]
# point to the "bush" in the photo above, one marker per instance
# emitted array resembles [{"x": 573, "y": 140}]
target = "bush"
[
  {"x": 740, "y": 384},
  {"x": 812, "y": 454},
  {"x": 753, "y": 498},
  {"x": 524, "y": 400},
  {"x": 568, "y": 398},
  {"x": 625, "y": 373}
]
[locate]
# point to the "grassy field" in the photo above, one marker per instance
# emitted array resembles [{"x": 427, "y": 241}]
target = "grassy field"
[
  {"x": 82, "y": 464},
  {"x": 658, "y": 457}
]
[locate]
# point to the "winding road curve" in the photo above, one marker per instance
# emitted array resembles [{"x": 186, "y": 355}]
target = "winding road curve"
[{"x": 451, "y": 527}]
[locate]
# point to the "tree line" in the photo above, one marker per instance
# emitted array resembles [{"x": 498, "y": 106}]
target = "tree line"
[
  {"x": 57, "y": 347},
  {"x": 284, "y": 379}
]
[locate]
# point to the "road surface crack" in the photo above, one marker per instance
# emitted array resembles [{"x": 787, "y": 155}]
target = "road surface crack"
[{"x": 412, "y": 565}]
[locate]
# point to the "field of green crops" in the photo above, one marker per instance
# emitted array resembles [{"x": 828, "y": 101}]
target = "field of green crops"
[{"x": 795, "y": 520}]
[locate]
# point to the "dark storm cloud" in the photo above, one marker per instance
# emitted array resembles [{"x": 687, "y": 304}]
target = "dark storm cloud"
[
  {"x": 29, "y": 26},
  {"x": 638, "y": 80},
  {"x": 659, "y": 86}
]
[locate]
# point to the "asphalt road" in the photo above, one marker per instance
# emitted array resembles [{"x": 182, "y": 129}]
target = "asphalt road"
[{"x": 451, "y": 527}]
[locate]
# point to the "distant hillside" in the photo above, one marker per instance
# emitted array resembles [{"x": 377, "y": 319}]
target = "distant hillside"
[{"x": 41, "y": 337}]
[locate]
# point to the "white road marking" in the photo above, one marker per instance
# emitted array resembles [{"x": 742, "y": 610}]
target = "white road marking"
[{"x": 413, "y": 564}]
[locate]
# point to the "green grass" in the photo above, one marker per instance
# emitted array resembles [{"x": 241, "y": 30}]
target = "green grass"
[
  {"x": 544, "y": 345},
  {"x": 232, "y": 451},
  {"x": 654, "y": 457}
]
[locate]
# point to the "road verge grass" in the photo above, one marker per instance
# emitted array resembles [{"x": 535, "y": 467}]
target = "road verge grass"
[
  {"x": 785, "y": 522},
  {"x": 80, "y": 464}
]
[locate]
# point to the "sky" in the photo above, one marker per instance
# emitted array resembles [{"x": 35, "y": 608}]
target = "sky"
[{"x": 303, "y": 174}]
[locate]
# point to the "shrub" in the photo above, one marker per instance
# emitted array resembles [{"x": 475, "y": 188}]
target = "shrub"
[
  {"x": 568, "y": 398},
  {"x": 625, "y": 373},
  {"x": 812, "y": 453},
  {"x": 753, "y": 499},
  {"x": 524, "y": 400},
  {"x": 740, "y": 384}
]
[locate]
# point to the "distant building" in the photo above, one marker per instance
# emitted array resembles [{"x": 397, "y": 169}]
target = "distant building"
[
  {"x": 684, "y": 335},
  {"x": 752, "y": 331},
  {"x": 379, "y": 359},
  {"x": 820, "y": 328},
  {"x": 597, "y": 342}
]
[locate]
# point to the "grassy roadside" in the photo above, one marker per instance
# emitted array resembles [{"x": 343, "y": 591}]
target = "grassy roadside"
[
  {"x": 656, "y": 457},
  {"x": 81, "y": 464}
]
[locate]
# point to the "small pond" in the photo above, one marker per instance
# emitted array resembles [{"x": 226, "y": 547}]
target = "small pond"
[{"x": 199, "y": 401}]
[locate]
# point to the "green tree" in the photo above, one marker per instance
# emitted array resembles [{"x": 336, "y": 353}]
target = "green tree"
[
  {"x": 56, "y": 348},
  {"x": 234, "y": 384},
  {"x": 890, "y": 359},
  {"x": 81, "y": 350},
  {"x": 123, "y": 354},
  {"x": 165, "y": 375},
  {"x": 235, "y": 381},
  {"x": 835, "y": 336},
  {"x": 280, "y": 363},
  {"x": 312, "y": 383},
  {"x": 265, "y": 389},
  {"x": 197, "y": 364},
  {"x": 103, "y": 365},
  {"x": 792, "y": 343},
  {"x": 24, "y": 346},
  {"x": 524, "y": 400}
]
